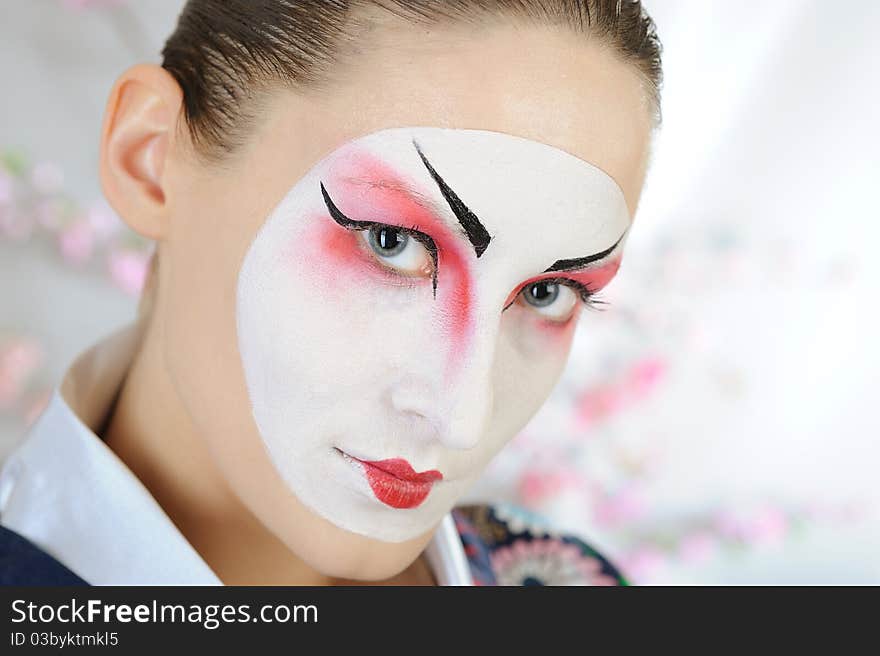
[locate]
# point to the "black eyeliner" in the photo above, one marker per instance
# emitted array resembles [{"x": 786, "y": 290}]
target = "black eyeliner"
[
  {"x": 582, "y": 262},
  {"x": 350, "y": 224}
]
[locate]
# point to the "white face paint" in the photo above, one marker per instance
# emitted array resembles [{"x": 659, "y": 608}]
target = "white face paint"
[{"x": 372, "y": 332}]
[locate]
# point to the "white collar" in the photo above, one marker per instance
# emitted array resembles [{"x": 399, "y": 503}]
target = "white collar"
[{"x": 68, "y": 493}]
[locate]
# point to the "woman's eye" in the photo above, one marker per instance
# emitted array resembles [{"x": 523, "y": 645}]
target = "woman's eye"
[
  {"x": 398, "y": 250},
  {"x": 553, "y": 300}
]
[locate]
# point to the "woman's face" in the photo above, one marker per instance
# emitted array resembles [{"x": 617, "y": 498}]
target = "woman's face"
[
  {"x": 367, "y": 303},
  {"x": 408, "y": 306}
]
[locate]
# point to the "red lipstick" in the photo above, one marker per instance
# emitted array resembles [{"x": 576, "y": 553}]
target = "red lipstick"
[{"x": 396, "y": 484}]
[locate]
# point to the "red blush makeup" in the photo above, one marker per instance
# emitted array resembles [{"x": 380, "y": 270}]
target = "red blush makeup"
[
  {"x": 557, "y": 331},
  {"x": 367, "y": 189}
]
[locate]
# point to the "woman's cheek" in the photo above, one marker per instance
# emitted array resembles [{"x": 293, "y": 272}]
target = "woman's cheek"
[
  {"x": 330, "y": 254},
  {"x": 540, "y": 337},
  {"x": 529, "y": 363},
  {"x": 558, "y": 333}
]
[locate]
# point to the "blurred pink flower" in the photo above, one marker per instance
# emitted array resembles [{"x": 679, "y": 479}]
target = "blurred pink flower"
[
  {"x": 623, "y": 506},
  {"x": 729, "y": 525},
  {"x": 5, "y": 188},
  {"x": 104, "y": 221},
  {"x": 47, "y": 178},
  {"x": 596, "y": 404},
  {"x": 697, "y": 547},
  {"x": 19, "y": 359},
  {"x": 48, "y": 213},
  {"x": 644, "y": 376},
  {"x": 601, "y": 401},
  {"x": 537, "y": 485},
  {"x": 15, "y": 225},
  {"x": 643, "y": 563},
  {"x": 768, "y": 526},
  {"x": 77, "y": 242},
  {"x": 128, "y": 270}
]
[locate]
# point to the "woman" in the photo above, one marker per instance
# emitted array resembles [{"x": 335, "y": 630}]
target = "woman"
[{"x": 377, "y": 223}]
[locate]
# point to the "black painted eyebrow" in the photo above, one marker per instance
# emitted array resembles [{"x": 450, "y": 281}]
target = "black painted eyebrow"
[
  {"x": 476, "y": 232},
  {"x": 581, "y": 262}
]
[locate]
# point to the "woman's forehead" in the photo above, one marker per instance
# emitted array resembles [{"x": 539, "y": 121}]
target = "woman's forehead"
[
  {"x": 486, "y": 153},
  {"x": 499, "y": 188}
]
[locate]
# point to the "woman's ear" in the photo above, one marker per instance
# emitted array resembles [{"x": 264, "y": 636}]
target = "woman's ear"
[{"x": 139, "y": 130}]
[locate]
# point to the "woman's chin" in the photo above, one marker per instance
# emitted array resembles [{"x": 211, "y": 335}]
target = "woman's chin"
[{"x": 340, "y": 554}]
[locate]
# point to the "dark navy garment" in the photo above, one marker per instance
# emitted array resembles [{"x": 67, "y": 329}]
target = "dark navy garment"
[
  {"x": 23, "y": 563},
  {"x": 501, "y": 545}
]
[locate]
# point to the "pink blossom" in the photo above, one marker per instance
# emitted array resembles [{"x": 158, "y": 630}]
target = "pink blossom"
[
  {"x": 601, "y": 401},
  {"x": 532, "y": 488},
  {"x": 77, "y": 242},
  {"x": 47, "y": 178},
  {"x": 623, "y": 506},
  {"x": 697, "y": 547},
  {"x": 5, "y": 188},
  {"x": 15, "y": 225},
  {"x": 644, "y": 376},
  {"x": 768, "y": 526},
  {"x": 48, "y": 213},
  {"x": 729, "y": 525},
  {"x": 128, "y": 270},
  {"x": 643, "y": 563},
  {"x": 595, "y": 404},
  {"x": 535, "y": 486},
  {"x": 19, "y": 358},
  {"x": 104, "y": 221}
]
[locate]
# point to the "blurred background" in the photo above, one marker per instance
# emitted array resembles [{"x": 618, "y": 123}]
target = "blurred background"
[{"x": 718, "y": 422}]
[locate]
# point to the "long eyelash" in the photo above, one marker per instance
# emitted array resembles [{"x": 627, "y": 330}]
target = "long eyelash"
[
  {"x": 589, "y": 298},
  {"x": 595, "y": 302}
]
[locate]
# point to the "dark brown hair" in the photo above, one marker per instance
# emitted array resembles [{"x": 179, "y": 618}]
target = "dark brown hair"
[{"x": 223, "y": 51}]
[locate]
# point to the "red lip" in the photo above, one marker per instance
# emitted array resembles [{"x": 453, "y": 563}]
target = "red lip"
[{"x": 396, "y": 484}]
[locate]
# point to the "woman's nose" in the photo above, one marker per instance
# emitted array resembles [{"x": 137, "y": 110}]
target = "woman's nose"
[
  {"x": 455, "y": 401},
  {"x": 471, "y": 402}
]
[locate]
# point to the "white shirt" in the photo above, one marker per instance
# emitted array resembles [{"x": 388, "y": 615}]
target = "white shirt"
[{"x": 68, "y": 493}]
